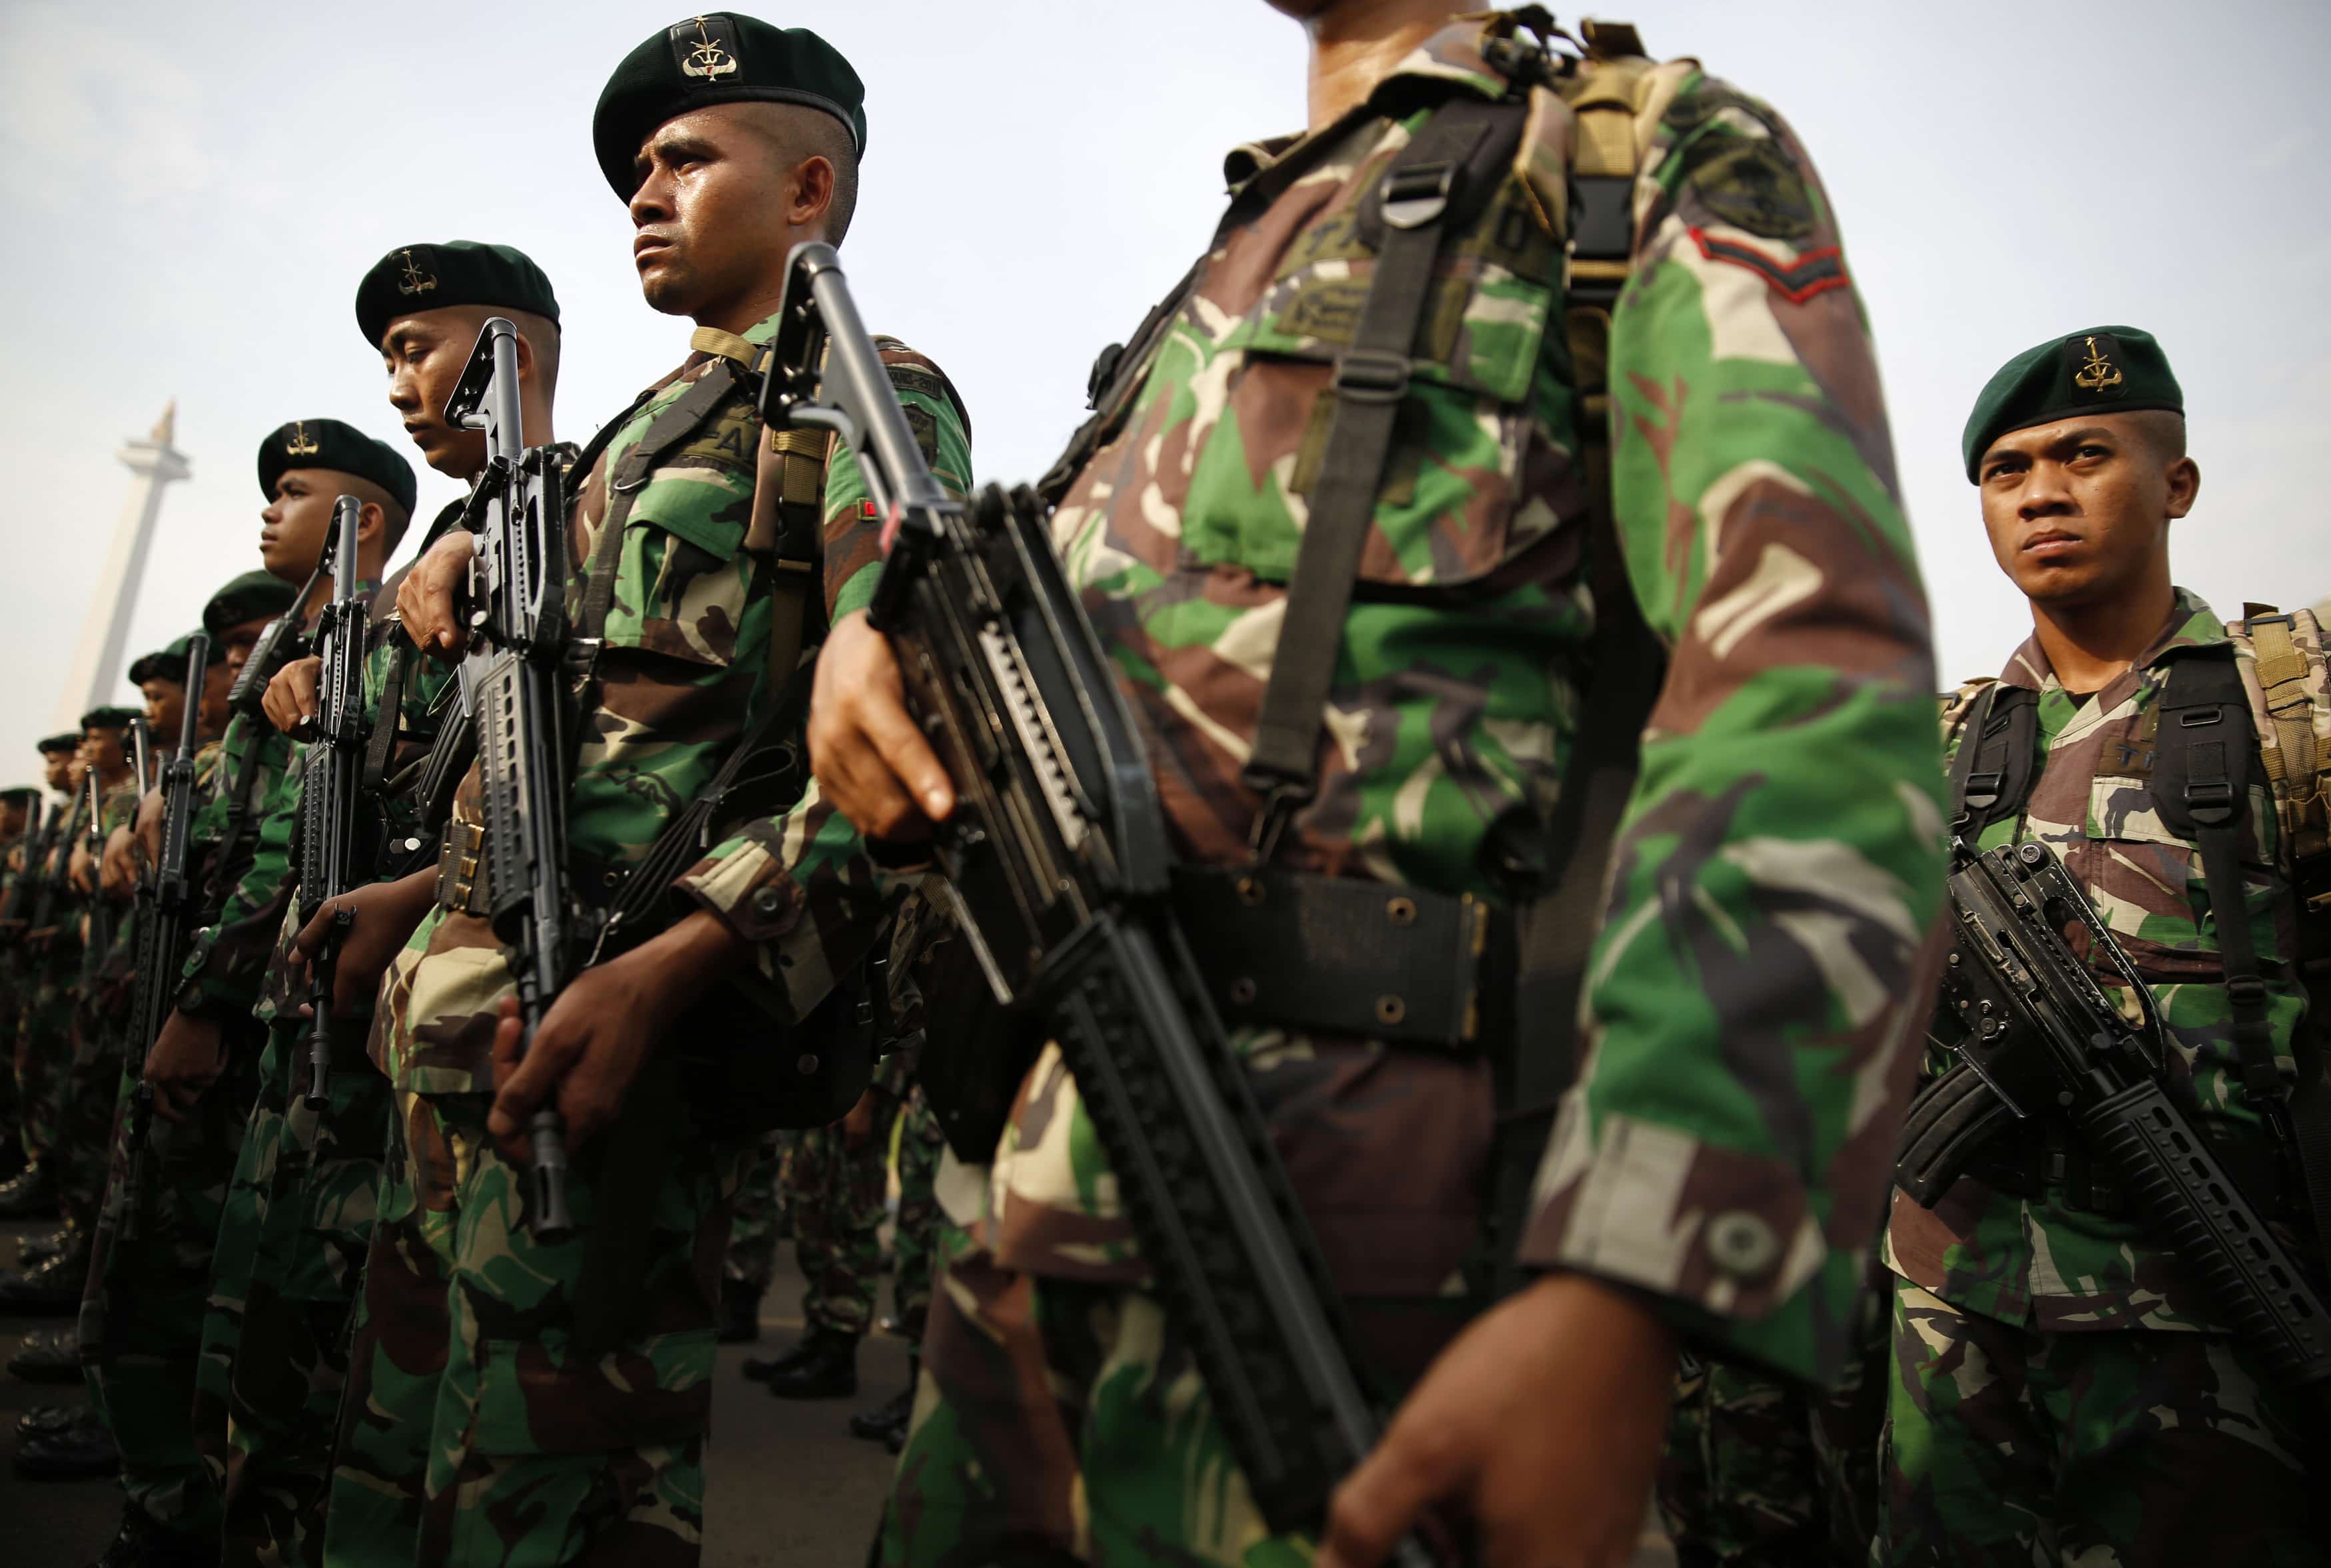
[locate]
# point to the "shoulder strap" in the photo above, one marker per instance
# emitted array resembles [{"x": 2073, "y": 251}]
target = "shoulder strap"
[
  {"x": 1450, "y": 168},
  {"x": 678, "y": 420},
  {"x": 1999, "y": 747}
]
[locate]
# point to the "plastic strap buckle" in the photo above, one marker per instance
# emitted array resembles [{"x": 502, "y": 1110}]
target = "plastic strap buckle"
[{"x": 1417, "y": 194}]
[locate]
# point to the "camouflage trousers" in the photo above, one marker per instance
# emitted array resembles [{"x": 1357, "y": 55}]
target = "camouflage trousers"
[
  {"x": 1757, "y": 1469},
  {"x": 44, "y": 1045},
  {"x": 474, "y": 1429},
  {"x": 87, "y": 1099},
  {"x": 915, "y": 1242},
  {"x": 2114, "y": 1448},
  {"x": 11, "y": 1013},
  {"x": 141, "y": 1322},
  {"x": 290, "y": 1257},
  {"x": 835, "y": 1194},
  {"x": 1063, "y": 1420},
  {"x": 759, "y": 1221}
]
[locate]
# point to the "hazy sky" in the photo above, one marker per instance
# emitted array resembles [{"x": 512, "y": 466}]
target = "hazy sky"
[{"x": 194, "y": 190}]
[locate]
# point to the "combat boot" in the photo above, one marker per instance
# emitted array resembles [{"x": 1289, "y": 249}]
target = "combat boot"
[
  {"x": 82, "y": 1451},
  {"x": 52, "y": 1356},
  {"x": 761, "y": 1368},
  {"x": 740, "y": 1312},
  {"x": 143, "y": 1543},
  {"x": 38, "y": 1250},
  {"x": 30, "y": 1194},
  {"x": 43, "y": 1420},
  {"x": 875, "y": 1425},
  {"x": 823, "y": 1366},
  {"x": 48, "y": 1291}
]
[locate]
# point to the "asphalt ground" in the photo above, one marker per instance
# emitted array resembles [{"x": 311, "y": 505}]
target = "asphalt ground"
[{"x": 788, "y": 1487}]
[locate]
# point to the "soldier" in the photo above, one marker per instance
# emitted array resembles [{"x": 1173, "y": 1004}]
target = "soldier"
[
  {"x": 47, "y": 955},
  {"x": 495, "y": 1408},
  {"x": 1717, "y": 1170},
  {"x": 144, "y": 1322},
  {"x": 94, "y": 1071},
  {"x": 18, "y": 806},
  {"x": 299, "y": 1213},
  {"x": 2065, "y": 1390}
]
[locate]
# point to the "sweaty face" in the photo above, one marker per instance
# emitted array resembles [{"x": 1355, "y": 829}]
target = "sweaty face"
[
  {"x": 709, "y": 217},
  {"x": 165, "y": 709},
  {"x": 424, "y": 353},
  {"x": 2078, "y": 510},
  {"x": 292, "y": 528}
]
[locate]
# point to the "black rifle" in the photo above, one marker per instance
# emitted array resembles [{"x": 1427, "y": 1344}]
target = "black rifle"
[
  {"x": 99, "y": 937},
  {"x": 40, "y": 820},
  {"x": 510, "y": 683},
  {"x": 165, "y": 906},
  {"x": 328, "y": 800},
  {"x": 2040, "y": 1035},
  {"x": 278, "y": 645},
  {"x": 1056, "y": 859},
  {"x": 55, "y": 869}
]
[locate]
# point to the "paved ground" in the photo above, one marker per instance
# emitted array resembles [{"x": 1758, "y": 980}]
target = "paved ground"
[{"x": 789, "y": 1488}]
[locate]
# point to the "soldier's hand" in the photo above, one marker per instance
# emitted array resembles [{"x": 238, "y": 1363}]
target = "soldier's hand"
[
  {"x": 386, "y": 914},
  {"x": 594, "y": 1037},
  {"x": 80, "y": 871},
  {"x": 117, "y": 872},
  {"x": 429, "y": 600},
  {"x": 188, "y": 1055},
  {"x": 869, "y": 758},
  {"x": 149, "y": 827},
  {"x": 291, "y": 700},
  {"x": 1540, "y": 1424},
  {"x": 858, "y": 1126}
]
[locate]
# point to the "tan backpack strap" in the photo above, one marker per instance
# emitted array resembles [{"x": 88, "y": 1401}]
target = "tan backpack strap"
[
  {"x": 788, "y": 492},
  {"x": 2287, "y": 680}
]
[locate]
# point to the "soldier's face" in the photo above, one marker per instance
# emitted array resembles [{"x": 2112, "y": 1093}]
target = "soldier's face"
[
  {"x": 101, "y": 750},
  {"x": 11, "y": 819},
  {"x": 76, "y": 770},
  {"x": 425, "y": 353},
  {"x": 235, "y": 646},
  {"x": 293, "y": 526},
  {"x": 56, "y": 768},
  {"x": 165, "y": 709},
  {"x": 2078, "y": 511},
  {"x": 708, "y": 219}
]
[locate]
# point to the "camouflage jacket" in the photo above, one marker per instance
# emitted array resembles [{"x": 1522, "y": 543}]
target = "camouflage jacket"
[
  {"x": 682, "y": 675},
  {"x": 1726, "y": 1149},
  {"x": 2041, "y": 1262},
  {"x": 245, "y": 882}
]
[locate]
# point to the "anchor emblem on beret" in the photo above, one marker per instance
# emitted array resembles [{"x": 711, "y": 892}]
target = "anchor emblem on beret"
[
  {"x": 2096, "y": 372},
  {"x": 300, "y": 443},
  {"x": 413, "y": 279},
  {"x": 709, "y": 59}
]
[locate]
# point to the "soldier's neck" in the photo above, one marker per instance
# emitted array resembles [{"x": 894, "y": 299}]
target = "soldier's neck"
[
  {"x": 1355, "y": 44},
  {"x": 2090, "y": 642},
  {"x": 111, "y": 779}
]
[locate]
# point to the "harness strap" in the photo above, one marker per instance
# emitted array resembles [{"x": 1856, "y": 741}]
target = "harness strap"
[
  {"x": 679, "y": 419},
  {"x": 1991, "y": 776}
]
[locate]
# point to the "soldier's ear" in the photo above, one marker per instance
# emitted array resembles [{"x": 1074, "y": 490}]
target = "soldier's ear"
[
  {"x": 2185, "y": 484},
  {"x": 370, "y": 522},
  {"x": 525, "y": 357}
]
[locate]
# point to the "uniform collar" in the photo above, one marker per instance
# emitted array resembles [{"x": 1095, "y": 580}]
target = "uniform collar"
[
  {"x": 1457, "y": 53},
  {"x": 711, "y": 342},
  {"x": 2191, "y": 623}
]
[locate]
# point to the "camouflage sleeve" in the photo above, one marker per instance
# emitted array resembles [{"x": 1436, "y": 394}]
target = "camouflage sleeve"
[
  {"x": 853, "y": 533},
  {"x": 1752, "y": 1000},
  {"x": 230, "y": 954}
]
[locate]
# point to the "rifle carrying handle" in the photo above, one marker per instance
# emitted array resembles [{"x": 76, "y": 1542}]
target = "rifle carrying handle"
[{"x": 1948, "y": 1125}]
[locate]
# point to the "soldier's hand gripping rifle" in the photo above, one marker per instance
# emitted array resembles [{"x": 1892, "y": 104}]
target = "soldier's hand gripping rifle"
[
  {"x": 327, "y": 800},
  {"x": 56, "y": 864},
  {"x": 1056, "y": 856},
  {"x": 2040, "y": 1035},
  {"x": 162, "y": 933},
  {"x": 510, "y": 680},
  {"x": 278, "y": 644}
]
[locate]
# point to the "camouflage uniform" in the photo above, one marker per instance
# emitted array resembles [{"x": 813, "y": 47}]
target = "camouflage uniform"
[
  {"x": 837, "y": 1196},
  {"x": 1725, "y": 1150},
  {"x": 50, "y": 982},
  {"x": 2062, "y": 1390},
  {"x": 470, "y": 1429},
  {"x": 759, "y": 1217},
  {"x": 93, "y": 1078}
]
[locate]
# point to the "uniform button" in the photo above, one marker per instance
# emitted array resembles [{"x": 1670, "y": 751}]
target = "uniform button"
[
  {"x": 768, "y": 901},
  {"x": 1742, "y": 1244}
]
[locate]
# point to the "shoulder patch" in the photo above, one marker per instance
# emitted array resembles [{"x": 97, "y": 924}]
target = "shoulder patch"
[
  {"x": 1751, "y": 183},
  {"x": 1796, "y": 282}
]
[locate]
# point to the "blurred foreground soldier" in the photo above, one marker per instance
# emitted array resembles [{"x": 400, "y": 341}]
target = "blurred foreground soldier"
[
  {"x": 299, "y": 1213},
  {"x": 2067, "y": 1387},
  {"x": 1717, "y": 1171},
  {"x": 513, "y": 1397}
]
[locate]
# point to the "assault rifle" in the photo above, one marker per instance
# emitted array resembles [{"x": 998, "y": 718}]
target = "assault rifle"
[
  {"x": 165, "y": 906},
  {"x": 58, "y": 865},
  {"x": 278, "y": 644},
  {"x": 40, "y": 822},
  {"x": 511, "y": 680},
  {"x": 99, "y": 934},
  {"x": 2039, "y": 1034},
  {"x": 1056, "y": 860},
  {"x": 327, "y": 800}
]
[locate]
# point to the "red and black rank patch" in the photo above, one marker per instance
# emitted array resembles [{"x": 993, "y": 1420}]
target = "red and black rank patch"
[{"x": 1795, "y": 281}]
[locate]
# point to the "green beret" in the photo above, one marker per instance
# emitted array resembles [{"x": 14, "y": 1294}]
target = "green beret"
[
  {"x": 108, "y": 718},
  {"x": 2103, "y": 370},
  {"x": 253, "y": 596},
  {"x": 69, "y": 741},
  {"x": 343, "y": 448},
  {"x": 719, "y": 58},
  {"x": 163, "y": 664},
  {"x": 415, "y": 277}
]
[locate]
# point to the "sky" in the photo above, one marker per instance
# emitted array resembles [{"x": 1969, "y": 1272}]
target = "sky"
[{"x": 195, "y": 190}]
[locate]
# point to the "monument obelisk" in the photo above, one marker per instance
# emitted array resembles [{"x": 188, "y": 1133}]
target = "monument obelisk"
[{"x": 95, "y": 677}]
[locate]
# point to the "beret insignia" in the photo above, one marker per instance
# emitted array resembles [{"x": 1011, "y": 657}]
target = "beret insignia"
[
  {"x": 412, "y": 276},
  {"x": 701, "y": 53},
  {"x": 298, "y": 442}
]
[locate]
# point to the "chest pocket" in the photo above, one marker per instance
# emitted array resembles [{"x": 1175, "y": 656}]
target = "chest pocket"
[
  {"x": 684, "y": 580},
  {"x": 2146, "y": 880},
  {"x": 1452, "y": 505}
]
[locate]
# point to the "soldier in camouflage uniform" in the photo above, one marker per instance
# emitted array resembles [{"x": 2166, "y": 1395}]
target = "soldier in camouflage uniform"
[
  {"x": 17, "y": 805},
  {"x": 2064, "y": 1391},
  {"x": 48, "y": 958},
  {"x": 144, "y": 1322},
  {"x": 835, "y": 1186},
  {"x": 94, "y": 1074},
  {"x": 299, "y": 1213},
  {"x": 1717, "y": 1171},
  {"x": 33, "y": 1189},
  {"x": 496, "y": 1412}
]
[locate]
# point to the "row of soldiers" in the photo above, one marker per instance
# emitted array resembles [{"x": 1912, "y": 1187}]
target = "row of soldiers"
[{"x": 1530, "y": 380}]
